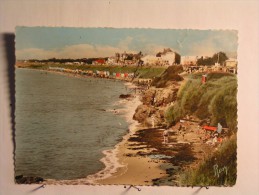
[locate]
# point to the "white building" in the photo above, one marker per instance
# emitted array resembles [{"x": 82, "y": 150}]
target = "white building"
[
  {"x": 150, "y": 59},
  {"x": 168, "y": 57},
  {"x": 231, "y": 63},
  {"x": 189, "y": 60},
  {"x": 111, "y": 60}
]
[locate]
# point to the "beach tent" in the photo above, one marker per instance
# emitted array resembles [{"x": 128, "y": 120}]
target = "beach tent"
[{"x": 209, "y": 128}]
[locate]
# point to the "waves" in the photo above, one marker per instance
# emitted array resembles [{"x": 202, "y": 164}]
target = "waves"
[
  {"x": 110, "y": 160},
  {"x": 68, "y": 134}
]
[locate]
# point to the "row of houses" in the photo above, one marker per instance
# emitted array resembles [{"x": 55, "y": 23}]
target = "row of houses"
[
  {"x": 95, "y": 73},
  {"x": 230, "y": 67},
  {"x": 166, "y": 57}
]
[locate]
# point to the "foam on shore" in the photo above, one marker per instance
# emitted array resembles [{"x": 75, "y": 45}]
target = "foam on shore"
[{"x": 110, "y": 160}]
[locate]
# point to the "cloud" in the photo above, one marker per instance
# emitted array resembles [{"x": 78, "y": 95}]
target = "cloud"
[
  {"x": 72, "y": 51},
  {"x": 188, "y": 45},
  {"x": 124, "y": 44},
  {"x": 34, "y": 53},
  {"x": 86, "y": 51},
  {"x": 77, "y": 51},
  {"x": 212, "y": 44},
  {"x": 153, "y": 49}
]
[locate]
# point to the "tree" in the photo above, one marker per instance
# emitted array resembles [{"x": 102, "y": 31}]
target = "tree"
[{"x": 219, "y": 57}]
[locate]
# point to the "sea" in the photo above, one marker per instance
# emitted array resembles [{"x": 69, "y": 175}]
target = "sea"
[{"x": 64, "y": 123}]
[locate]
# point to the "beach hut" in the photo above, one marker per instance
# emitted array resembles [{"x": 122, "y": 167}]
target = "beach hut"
[
  {"x": 204, "y": 79},
  {"x": 118, "y": 74}
]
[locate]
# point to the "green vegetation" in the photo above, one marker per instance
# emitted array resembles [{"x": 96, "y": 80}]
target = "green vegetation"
[
  {"x": 216, "y": 99},
  {"x": 141, "y": 71},
  {"x": 218, "y": 169}
]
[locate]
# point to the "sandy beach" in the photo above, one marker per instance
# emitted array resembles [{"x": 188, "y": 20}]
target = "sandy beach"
[
  {"x": 123, "y": 166},
  {"x": 136, "y": 170}
]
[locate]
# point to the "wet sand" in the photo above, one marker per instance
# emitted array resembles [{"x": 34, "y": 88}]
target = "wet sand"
[
  {"x": 148, "y": 161},
  {"x": 137, "y": 169}
]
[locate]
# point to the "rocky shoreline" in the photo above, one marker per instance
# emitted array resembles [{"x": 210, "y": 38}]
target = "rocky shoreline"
[{"x": 185, "y": 149}]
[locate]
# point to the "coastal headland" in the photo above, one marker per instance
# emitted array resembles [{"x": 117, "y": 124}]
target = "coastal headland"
[{"x": 169, "y": 141}]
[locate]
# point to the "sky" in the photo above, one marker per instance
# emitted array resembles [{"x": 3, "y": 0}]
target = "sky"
[{"x": 62, "y": 42}]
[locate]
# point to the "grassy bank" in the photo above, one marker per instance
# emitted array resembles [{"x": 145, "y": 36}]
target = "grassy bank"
[
  {"x": 216, "y": 99},
  {"x": 142, "y": 72},
  {"x": 219, "y": 169}
]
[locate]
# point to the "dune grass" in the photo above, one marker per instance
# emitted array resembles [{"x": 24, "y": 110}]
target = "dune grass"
[
  {"x": 218, "y": 169},
  {"x": 216, "y": 99}
]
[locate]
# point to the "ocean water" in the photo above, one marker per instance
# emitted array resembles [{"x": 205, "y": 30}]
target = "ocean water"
[{"x": 62, "y": 124}]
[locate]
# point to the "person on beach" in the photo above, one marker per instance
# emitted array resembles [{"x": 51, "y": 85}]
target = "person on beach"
[
  {"x": 153, "y": 121},
  {"x": 165, "y": 135},
  {"x": 183, "y": 134},
  {"x": 215, "y": 139},
  {"x": 179, "y": 129}
]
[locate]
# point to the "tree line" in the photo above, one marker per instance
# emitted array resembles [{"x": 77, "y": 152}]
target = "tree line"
[
  {"x": 220, "y": 58},
  {"x": 84, "y": 60}
]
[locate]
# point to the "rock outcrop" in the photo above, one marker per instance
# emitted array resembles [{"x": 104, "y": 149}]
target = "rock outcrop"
[
  {"x": 158, "y": 98},
  {"x": 20, "y": 179}
]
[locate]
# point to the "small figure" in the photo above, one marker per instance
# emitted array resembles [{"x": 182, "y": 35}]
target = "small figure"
[
  {"x": 183, "y": 135},
  {"x": 165, "y": 135},
  {"x": 179, "y": 129},
  {"x": 214, "y": 140},
  {"x": 153, "y": 121}
]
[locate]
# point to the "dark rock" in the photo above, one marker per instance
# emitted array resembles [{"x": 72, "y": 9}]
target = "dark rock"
[
  {"x": 148, "y": 97},
  {"x": 124, "y": 96},
  {"x": 20, "y": 179},
  {"x": 143, "y": 112}
]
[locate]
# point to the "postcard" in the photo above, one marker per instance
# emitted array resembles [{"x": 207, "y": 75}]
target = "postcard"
[{"x": 108, "y": 106}]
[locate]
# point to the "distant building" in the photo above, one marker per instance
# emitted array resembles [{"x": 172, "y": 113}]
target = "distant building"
[
  {"x": 127, "y": 58},
  {"x": 99, "y": 61},
  {"x": 111, "y": 60},
  {"x": 189, "y": 60},
  {"x": 168, "y": 57},
  {"x": 231, "y": 63},
  {"x": 150, "y": 59}
]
